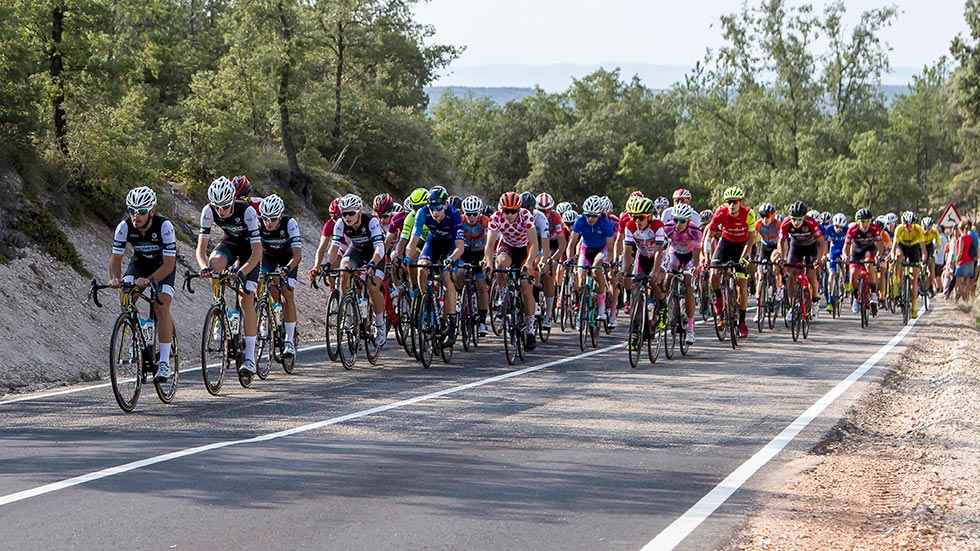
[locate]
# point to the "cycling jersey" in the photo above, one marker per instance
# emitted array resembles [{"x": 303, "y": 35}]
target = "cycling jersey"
[
  {"x": 734, "y": 228},
  {"x": 475, "y": 235},
  {"x": 594, "y": 236},
  {"x": 647, "y": 241},
  {"x": 281, "y": 241},
  {"x": 806, "y": 234},
  {"x": 554, "y": 227},
  {"x": 447, "y": 229},
  {"x": 932, "y": 236},
  {"x": 864, "y": 240},
  {"x": 396, "y": 223},
  {"x": 686, "y": 241},
  {"x": 768, "y": 233},
  {"x": 149, "y": 246},
  {"x": 910, "y": 236},
  {"x": 835, "y": 240},
  {"x": 668, "y": 218},
  {"x": 408, "y": 226},
  {"x": 365, "y": 238},
  {"x": 513, "y": 234},
  {"x": 541, "y": 225},
  {"x": 241, "y": 227},
  {"x": 624, "y": 220}
]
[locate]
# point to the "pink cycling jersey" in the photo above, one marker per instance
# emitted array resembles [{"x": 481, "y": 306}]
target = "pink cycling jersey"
[{"x": 684, "y": 242}]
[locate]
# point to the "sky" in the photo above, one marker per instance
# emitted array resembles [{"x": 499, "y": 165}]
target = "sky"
[{"x": 663, "y": 32}]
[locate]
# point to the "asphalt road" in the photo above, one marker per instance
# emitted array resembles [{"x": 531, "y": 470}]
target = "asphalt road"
[{"x": 586, "y": 453}]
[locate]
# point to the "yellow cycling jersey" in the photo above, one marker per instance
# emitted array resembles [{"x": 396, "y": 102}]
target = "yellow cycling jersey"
[
  {"x": 910, "y": 236},
  {"x": 932, "y": 236}
]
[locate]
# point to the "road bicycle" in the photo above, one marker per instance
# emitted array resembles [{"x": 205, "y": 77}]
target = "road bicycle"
[
  {"x": 468, "y": 306},
  {"x": 863, "y": 291},
  {"x": 769, "y": 303},
  {"x": 222, "y": 339},
  {"x": 271, "y": 342},
  {"x": 643, "y": 323},
  {"x": 133, "y": 350},
  {"x": 836, "y": 287},
  {"x": 729, "y": 301},
  {"x": 355, "y": 325},
  {"x": 331, "y": 320},
  {"x": 511, "y": 313},
  {"x": 588, "y": 308},
  {"x": 432, "y": 333},
  {"x": 675, "y": 331},
  {"x": 905, "y": 293},
  {"x": 801, "y": 305},
  {"x": 567, "y": 302}
]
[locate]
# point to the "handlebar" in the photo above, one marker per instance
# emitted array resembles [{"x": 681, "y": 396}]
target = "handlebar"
[{"x": 133, "y": 290}]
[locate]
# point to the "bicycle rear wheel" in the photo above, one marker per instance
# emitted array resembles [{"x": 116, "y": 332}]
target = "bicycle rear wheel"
[
  {"x": 166, "y": 390},
  {"x": 806, "y": 311},
  {"x": 637, "y": 329},
  {"x": 403, "y": 309},
  {"x": 369, "y": 334},
  {"x": 215, "y": 350},
  {"x": 126, "y": 363}
]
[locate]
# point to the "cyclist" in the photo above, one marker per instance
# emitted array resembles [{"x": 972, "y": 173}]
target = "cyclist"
[
  {"x": 326, "y": 238},
  {"x": 615, "y": 267},
  {"x": 556, "y": 249},
  {"x": 242, "y": 244},
  {"x": 660, "y": 205},
  {"x": 910, "y": 244},
  {"x": 731, "y": 228},
  {"x": 684, "y": 254},
  {"x": 474, "y": 225},
  {"x": 282, "y": 247},
  {"x": 597, "y": 235},
  {"x": 644, "y": 240},
  {"x": 444, "y": 244},
  {"x": 863, "y": 243},
  {"x": 366, "y": 250},
  {"x": 416, "y": 200},
  {"x": 802, "y": 244},
  {"x": 891, "y": 221},
  {"x": 243, "y": 191},
  {"x": 682, "y": 196},
  {"x": 933, "y": 238},
  {"x": 835, "y": 234},
  {"x": 767, "y": 237},
  {"x": 513, "y": 240},
  {"x": 154, "y": 262}
]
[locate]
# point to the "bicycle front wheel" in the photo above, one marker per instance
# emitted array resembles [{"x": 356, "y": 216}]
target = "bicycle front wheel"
[
  {"x": 215, "y": 350},
  {"x": 126, "y": 363},
  {"x": 637, "y": 329},
  {"x": 332, "y": 326},
  {"x": 264, "y": 347},
  {"x": 347, "y": 332}
]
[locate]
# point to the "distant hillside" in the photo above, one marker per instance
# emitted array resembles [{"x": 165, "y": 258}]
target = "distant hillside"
[{"x": 499, "y": 95}]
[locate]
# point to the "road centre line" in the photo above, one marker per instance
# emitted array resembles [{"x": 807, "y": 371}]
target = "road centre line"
[
  {"x": 684, "y": 525},
  {"x": 132, "y": 466}
]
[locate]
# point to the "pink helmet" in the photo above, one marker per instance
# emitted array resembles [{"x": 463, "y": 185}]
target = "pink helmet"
[{"x": 681, "y": 193}]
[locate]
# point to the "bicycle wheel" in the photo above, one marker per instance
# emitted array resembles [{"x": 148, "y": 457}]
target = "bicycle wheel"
[
  {"x": 166, "y": 390},
  {"x": 682, "y": 319},
  {"x": 797, "y": 309},
  {"x": 637, "y": 329},
  {"x": 332, "y": 326},
  {"x": 347, "y": 331},
  {"x": 764, "y": 296},
  {"x": 496, "y": 315},
  {"x": 732, "y": 317},
  {"x": 653, "y": 336},
  {"x": 126, "y": 363},
  {"x": 507, "y": 332},
  {"x": 445, "y": 345},
  {"x": 906, "y": 299},
  {"x": 719, "y": 327},
  {"x": 583, "y": 319},
  {"x": 264, "y": 347},
  {"x": 369, "y": 335},
  {"x": 425, "y": 347},
  {"x": 215, "y": 350},
  {"x": 404, "y": 327},
  {"x": 671, "y": 329}
]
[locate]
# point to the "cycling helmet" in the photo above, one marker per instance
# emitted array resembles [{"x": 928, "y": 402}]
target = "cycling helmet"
[
  {"x": 813, "y": 213},
  {"x": 382, "y": 203},
  {"x": 569, "y": 217},
  {"x": 733, "y": 193},
  {"x": 661, "y": 203},
  {"x": 839, "y": 220},
  {"x": 418, "y": 198},
  {"x": 706, "y": 214},
  {"x": 243, "y": 186},
  {"x": 908, "y": 217},
  {"x": 141, "y": 198},
  {"x": 639, "y": 205},
  {"x": 456, "y": 202},
  {"x": 637, "y": 193},
  {"x": 472, "y": 205},
  {"x": 271, "y": 207},
  {"x": 443, "y": 194},
  {"x": 509, "y": 200},
  {"x": 527, "y": 200},
  {"x": 397, "y": 207},
  {"x": 574, "y": 206},
  {"x": 927, "y": 223},
  {"x": 221, "y": 192},
  {"x": 545, "y": 201},
  {"x": 797, "y": 209},
  {"x": 681, "y": 193},
  {"x": 563, "y": 206},
  {"x": 436, "y": 198},
  {"x": 351, "y": 202},
  {"x": 682, "y": 213},
  {"x": 488, "y": 210},
  {"x": 891, "y": 218},
  {"x": 862, "y": 214},
  {"x": 592, "y": 205},
  {"x": 335, "y": 208},
  {"x": 765, "y": 209},
  {"x": 607, "y": 204}
]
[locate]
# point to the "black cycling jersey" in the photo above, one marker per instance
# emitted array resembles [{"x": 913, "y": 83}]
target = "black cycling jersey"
[
  {"x": 366, "y": 237},
  {"x": 241, "y": 228},
  {"x": 280, "y": 240},
  {"x": 149, "y": 246}
]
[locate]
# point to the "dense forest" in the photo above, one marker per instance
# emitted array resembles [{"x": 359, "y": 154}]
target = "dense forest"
[{"x": 315, "y": 98}]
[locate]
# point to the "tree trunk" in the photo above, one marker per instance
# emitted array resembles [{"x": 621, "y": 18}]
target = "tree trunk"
[
  {"x": 297, "y": 181},
  {"x": 337, "y": 85},
  {"x": 56, "y": 67}
]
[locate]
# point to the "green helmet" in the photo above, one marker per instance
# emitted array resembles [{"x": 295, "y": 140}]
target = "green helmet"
[
  {"x": 733, "y": 193},
  {"x": 639, "y": 205},
  {"x": 419, "y": 197}
]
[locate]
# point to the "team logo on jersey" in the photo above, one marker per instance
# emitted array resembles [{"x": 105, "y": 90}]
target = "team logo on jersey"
[{"x": 154, "y": 235}]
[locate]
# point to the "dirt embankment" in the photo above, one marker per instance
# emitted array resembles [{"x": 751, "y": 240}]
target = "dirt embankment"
[
  {"x": 50, "y": 336},
  {"x": 902, "y": 469}
]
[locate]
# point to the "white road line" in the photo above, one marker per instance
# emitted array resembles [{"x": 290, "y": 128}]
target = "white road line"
[
  {"x": 682, "y": 527},
  {"x": 74, "y": 390},
  {"x": 119, "y": 469}
]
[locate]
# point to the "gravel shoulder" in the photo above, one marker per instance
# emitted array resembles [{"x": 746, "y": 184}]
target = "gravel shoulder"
[{"x": 901, "y": 469}]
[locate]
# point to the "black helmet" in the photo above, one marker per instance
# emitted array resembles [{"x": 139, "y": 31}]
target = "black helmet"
[
  {"x": 488, "y": 210},
  {"x": 797, "y": 209},
  {"x": 863, "y": 214},
  {"x": 527, "y": 200},
  {"x": 456, "y": 202}
]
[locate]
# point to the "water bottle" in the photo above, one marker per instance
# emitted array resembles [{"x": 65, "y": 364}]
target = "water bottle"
[
  {"x": 362, "y": 306},
  {"x": 276, "y": 313},
  {"x": 234, "y": 320},
  {"x": 149, "y": 331}
]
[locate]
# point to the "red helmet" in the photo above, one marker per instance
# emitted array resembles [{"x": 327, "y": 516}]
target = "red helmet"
[
  {"x": 545, "y": 201},
  {"x": 681, "y": 193},
  {"x": 243, "y": 187},
  {"x": 335, "y": 208},
  {"x": 636, "y": 194},
  {"x": 382, "y": 203},
  {"x": 509, "y": 200}
]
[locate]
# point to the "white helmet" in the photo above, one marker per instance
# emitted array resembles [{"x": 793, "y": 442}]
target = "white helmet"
[
  {"x": 141, "y": 198},
  {"x": 221, "y": 192},
  {"x": 839, "y": 220},
  {"x": 472, "y": 204},
  {"x": 569, "y": 216},
  {"x": 545, "y": 201},
  {"x": 891, "y": 218},
  {"x": 661, "y": 203},
  {"x": 350, "y": 202},
  {"x": 397, "y": 207},
  {"x": 563, "y": 206},
  {"x": 607, "y": 204},
  {"x": 271, "y": 207},
  {"x": 683, "y": 211},
  {"x": 593, "y": 205}
]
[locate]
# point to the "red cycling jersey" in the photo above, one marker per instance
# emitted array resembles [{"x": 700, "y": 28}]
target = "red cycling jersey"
[
  {"x": 735, "y": 229},
  {"x": 806, "y": 234}
]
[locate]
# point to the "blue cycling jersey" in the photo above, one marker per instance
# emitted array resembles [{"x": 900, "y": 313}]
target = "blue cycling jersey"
[
  {"x": 835, "y": 239},
  {"x": 448, "y": 229},
  {"x": 594, "y": 235}
]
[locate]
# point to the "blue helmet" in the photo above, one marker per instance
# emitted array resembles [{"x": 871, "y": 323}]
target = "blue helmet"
[{"x": 437, "y": 197}]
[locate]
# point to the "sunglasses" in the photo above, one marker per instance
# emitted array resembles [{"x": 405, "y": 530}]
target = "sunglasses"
[
  {"x": 590, "y": 216},
  {"x": 510, "y": 211},
  {"x": 141, "y": 211},
  {"x": 476, "y": 213},
  {"x": 348, "y": 214},
  {"x": 437, "y": 208},
  {"x": 732, "y": 201},
  {"x": 383, "y": 216},
  {"x": 679, "y": 221},
  {"x": 796, "y": 218},
  {"x": 641, "y": 217}
]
